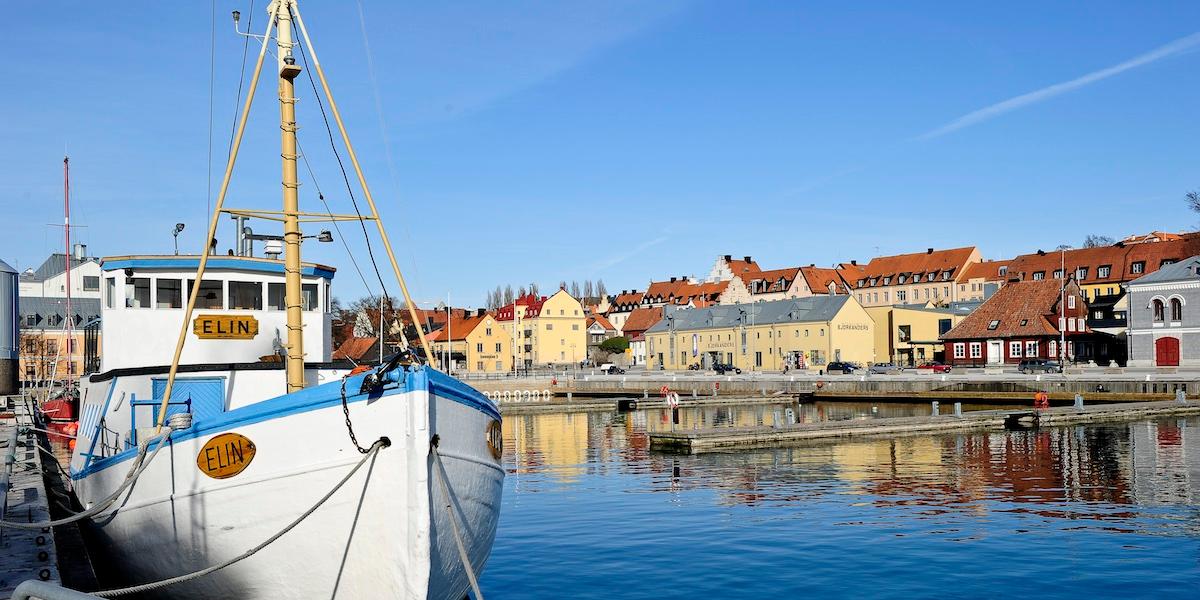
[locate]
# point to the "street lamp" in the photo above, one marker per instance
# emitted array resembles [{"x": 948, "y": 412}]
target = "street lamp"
[{"x": 178, "y": 229}]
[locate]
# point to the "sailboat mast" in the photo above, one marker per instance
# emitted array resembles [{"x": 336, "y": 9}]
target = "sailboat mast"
[
  {"x": 70, "y": 322},
  {"x": 288, "y": 70}
]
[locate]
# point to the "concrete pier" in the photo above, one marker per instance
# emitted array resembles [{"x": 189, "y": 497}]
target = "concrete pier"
[
  {"x": 24, "y": 554},
  {"x": 726, "y": 439}
]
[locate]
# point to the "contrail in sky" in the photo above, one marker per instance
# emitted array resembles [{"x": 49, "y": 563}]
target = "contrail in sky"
[{"x": 995, "y": 110}]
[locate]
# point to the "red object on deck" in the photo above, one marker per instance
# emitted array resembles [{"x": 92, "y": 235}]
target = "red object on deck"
[{"x": 60, "y": 410}]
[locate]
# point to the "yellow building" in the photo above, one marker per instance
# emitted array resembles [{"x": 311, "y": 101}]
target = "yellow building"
[
  {"x": 548, "y": 330},
  {"x": 476, "y": 343},
  {"x": 908, "y": 335},
  {"x": 803, "y": 333}
]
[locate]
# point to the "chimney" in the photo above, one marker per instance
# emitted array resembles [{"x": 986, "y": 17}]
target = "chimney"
[
  {"x": 672, "y": 280},
  {"x": 728, "y": 257},
  {"x": 1041, "y": 252},
  {"x": 480, "y": 312},
  {"x": 854, "y": 262},
  {"x": 80, "y": 251},
  {"x": 929, "y": 251},
  {"x": 748, "y": 259}
]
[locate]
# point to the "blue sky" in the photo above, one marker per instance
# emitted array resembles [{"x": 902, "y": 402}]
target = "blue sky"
[{"x": 626, "y": 141}]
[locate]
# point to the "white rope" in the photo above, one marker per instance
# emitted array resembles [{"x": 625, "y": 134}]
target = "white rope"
[
  {"x": 381, "y": 443},
  {"x": 462, "y": 549},
  {"x": 139, "y": 465}
]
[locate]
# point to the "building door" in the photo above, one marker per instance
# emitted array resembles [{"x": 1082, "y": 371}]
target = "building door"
[
  {"x": 995, "y": 352},
  {"x": 1166, "y": 352}
]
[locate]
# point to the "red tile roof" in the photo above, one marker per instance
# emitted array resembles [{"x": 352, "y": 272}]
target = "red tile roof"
[
  {"x": 533, "y": 307},
  {"x": 642, "y": 319},
  {"x": 1022, "y": 309},
  {"x": 1153, "y": 236},
  {"x": 988, "y": 270},
  {"x": 774, "y": 281},
  {"x": 458, "y": 329},
  {"x": 930, "y": 261},
  {"x": 819, "y": 278},
  {"x": 632, "y": 298},
  {"x": 354, "y": 348},
  {"x": 739, "y": 267},
  {"x": 1119, "y": 258},
  {"x": 605, "y": 323}
]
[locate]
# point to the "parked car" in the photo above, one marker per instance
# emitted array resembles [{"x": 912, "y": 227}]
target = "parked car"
[
  {"x": 611, "y": 369},
  {"x": 841, "y": 367},
  {"x": 935, "y": 367},
  {"x": 1039, "y": 365},
  {"x": 722, "y": 369},
  {"x": 884, "y": 368}
]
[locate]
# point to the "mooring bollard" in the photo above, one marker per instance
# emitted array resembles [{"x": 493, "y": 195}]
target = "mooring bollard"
[
  {"x": 645, "y": 394},
  {"x": 1181, "y": 396},
  {"x": 934, "y": 407},
  {"x": 570, "y": 395},
  {"x": 1078, "y": 400},
  {"x": 958, "y": 409}
]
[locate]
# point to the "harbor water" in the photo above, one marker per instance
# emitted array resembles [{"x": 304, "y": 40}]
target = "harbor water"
[{"x": 1100, "y": 510}]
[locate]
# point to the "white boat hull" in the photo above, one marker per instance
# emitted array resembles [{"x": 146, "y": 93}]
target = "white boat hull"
[{"x": 385, "y": 533}]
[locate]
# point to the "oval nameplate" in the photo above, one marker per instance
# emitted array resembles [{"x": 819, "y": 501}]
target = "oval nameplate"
[
  {"x": 225, "y": 455},
  {"x": 495, "y": 439}
]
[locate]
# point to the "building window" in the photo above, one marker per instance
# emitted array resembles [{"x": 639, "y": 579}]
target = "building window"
[
  {"x": 549, "y": 326},
  {"x": 1137, "y": 267},
  {"x": 497, "y": 346},
  {"x": 822, "y": 332},
  {"x": 993, "y": 324},
  {"x": 1104, "y": 271},
  {"x": 575, "y": 327},
  {"x": 976, "y": 350},
  {"x": 1176, "y": 309},
  {"x": 137, "y": 292},
  {"x": 944, "y": 326},
  {"x": 1058, "y": 273},
  {"x": 901, "y": 295},
  {"x": 905, "y": 332},
  {"x": 1014, "y": 349},
  {"x": 1039, "y": 275},
  {"x": 1081, "y": 273},
  {"x": 1053, "y": 347},
  {"x": 479, "y": 366},
  {"x": 1070, "y": 302},
  {"x": 245, "y": 295},
  {"x": 1031, "y": 349},
  {"x": 960, "y": 350},
  {"x": 479, "y": 348},
  {"x": 210, "y": 293},
  {"x": 1158, "y": 310},
  {"x": 91, "y": 283}
]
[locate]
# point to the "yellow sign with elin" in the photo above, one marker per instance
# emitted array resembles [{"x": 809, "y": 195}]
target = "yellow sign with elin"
[
  {"x": 225, "y": 455},
  {"x": 225, "y": 327}
]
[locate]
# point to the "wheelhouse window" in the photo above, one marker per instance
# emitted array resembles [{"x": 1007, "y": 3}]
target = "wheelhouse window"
[
  {"x": 110, "y": 292},
  {"x": 308, "y": 296},
  {"x": 137, "y": 292},
  {"x": 91, "y": 283},
  {"x": 245, "y": 295},
  {"x": 209, "y": 295},
  {"x": 276, "y": 300},
  {"x": 168, "y": 293}
]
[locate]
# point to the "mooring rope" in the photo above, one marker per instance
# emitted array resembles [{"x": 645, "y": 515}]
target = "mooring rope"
[
  {"x": 379, "y": 444},
  {"x": 140, "y": 463},
  {"x": 449, "y": 494}
]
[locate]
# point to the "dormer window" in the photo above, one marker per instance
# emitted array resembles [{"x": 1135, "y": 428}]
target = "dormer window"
[
  {"x": 901, "y": 280},
  {"x": 1003, "y": 271},
  {"x": 1058, "y": 273},
  {"x": 1138, "y": 267},
  {"x": 887, "y": 280},
  {"x": 945, "y": 275},
  {"x": 874, "y": 280},
  {"x": 993, "y": 324},
  {"x": 1104, "y": 271},
  {"x": 1039, "y": 275},
  {"x": 1081, "y": 273}
]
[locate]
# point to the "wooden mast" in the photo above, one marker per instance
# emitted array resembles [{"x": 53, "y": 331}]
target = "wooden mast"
[{"x": 288, "y": 70}]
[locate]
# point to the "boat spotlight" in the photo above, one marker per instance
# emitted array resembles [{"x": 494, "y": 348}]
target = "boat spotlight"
[{"x": 325, "y": 236}]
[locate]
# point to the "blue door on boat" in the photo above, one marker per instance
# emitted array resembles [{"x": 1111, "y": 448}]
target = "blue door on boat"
[{"x": 207, "y": 395}]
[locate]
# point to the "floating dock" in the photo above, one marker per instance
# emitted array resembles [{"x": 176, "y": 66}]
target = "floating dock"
[
  {"x": 556, "y": 404},
  {"x": 742, "y": 438}
]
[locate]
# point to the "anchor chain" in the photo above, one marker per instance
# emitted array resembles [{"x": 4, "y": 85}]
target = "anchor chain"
[{"x": 349, "y": 425}]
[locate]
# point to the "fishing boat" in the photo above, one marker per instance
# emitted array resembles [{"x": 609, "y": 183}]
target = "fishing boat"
[{"x": 221, "y": 454}]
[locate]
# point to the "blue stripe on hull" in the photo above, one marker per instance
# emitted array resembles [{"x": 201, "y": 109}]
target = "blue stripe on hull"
[{"x": 315, "y": 398}]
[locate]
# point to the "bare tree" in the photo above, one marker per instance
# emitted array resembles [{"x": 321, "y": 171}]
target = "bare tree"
[
  {"x": 587, "y": 289},
  {"x": 521, "y": 293},
  {"x": 533, "y": 289},
  {"x": 562, "y": 285},
  {"x": 508, "y": 294},
  {"x": 601, "y": 291},
  {"x": 1193, "y": 201},
  {"x": 1095, "y": 241}
]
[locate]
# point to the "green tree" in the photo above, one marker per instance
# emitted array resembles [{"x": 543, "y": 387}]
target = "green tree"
[{"x": 615, "y": 345}]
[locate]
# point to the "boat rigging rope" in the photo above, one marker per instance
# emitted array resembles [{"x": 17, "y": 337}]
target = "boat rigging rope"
[
  {"x": 450, "y": 502},
  {"x": 139, "y": 464},
  {"x": 379, "y": 444}
]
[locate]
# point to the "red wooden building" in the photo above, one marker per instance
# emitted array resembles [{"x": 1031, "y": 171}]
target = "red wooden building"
[{"x": 1021, "y": 320}]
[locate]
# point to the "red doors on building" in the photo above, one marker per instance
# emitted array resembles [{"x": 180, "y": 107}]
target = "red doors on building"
[{"x": 1166, "y": 352}]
